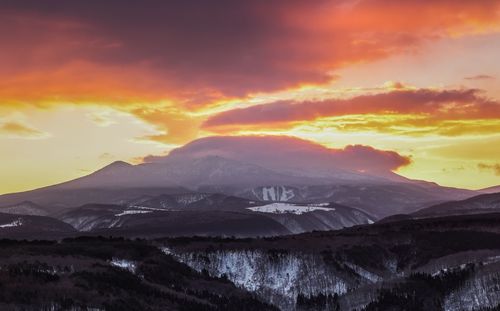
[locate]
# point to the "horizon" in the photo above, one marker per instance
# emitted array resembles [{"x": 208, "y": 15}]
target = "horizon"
[{"x": 86, "y": 84}]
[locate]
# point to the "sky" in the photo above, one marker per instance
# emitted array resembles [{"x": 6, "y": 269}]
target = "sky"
[{"x": 86, "y": 83}]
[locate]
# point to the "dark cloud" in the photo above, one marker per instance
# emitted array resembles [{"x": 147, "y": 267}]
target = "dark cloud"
[
  {"x": 199, "y": 51},
  {"x": 230, "y": 46}
]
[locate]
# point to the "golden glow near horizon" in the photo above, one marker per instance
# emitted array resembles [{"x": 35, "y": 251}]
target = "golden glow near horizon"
[{"x": 77, "y": 93}]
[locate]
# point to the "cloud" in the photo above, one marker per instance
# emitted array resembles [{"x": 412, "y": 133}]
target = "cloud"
[
  {"x": 480, "y": 77},
  {"x": 407, "y": 107},
  {"x": 198, "y": 52},
  {"x": 490, "y": 167},
  {"x": 366, "y": 158},
  {"x": 18, "y": 130},
  {"x": 175, "y": 126},
  {"x": 136, "y": 57},
  {"x": 289, "y": 153}
]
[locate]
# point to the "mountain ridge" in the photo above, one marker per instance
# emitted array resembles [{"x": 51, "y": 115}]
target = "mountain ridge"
[{"x": 240, "y": 165}]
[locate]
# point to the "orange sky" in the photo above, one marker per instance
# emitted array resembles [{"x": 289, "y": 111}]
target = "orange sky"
[{"x": 84, "y": 83}]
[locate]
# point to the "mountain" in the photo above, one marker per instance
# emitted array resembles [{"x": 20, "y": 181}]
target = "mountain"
[
  {"x": 493, "y": 189},
  {"x": 191, "y": 201},
  {"x": 210, "y": 214},
  {"x": 32, "y": 227},
  {"x": 481, "y": 204},
  {"x": 485, "y": 203},
  {"x": 293, "y": 157},
  {"x": 115, "y": 221},
  {"x": 298, "y": 218},
  {"x": 59, "y": 198},
  {"x": 25, "y": 208},
  {"x": 253, "y": 167},
  {"x": 379, "y": 199}
]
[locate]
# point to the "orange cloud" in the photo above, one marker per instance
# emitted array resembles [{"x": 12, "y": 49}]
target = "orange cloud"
[
  {"x": 18, "y": 130},
  {"x": 410, "y": 108},
  {"x": 407, "y": 125},
  {"x": 198, "y": 53},
  {"x": 133, "y": 57}
]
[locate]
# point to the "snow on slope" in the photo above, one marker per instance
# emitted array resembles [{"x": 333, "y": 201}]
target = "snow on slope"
[
  {"x": 24, "y": 208},
  {"x": 132, "y": 212},
  {"x": 280, "y": 278},
  {"x": 16, "y": 223},
  {"x": 187, "y": 199},
  {"x": 281, "y": 208},
  {"x": 277, "y": 193},
  {"x": 128, "y": 265}
]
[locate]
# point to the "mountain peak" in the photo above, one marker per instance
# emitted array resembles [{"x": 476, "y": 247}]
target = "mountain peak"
[{"x": 117, "y": 164}]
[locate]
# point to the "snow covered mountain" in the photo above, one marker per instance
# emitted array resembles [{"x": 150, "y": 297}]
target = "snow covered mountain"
[
  {"x": 210, "y": 214},
  {"x": 293, "y": 157},
  {"x": 281, "y": 169},
  {"x": 379, "y": 199}
]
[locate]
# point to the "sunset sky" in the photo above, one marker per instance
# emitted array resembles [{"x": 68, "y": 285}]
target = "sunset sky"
[{"x": 86, "y": 83}]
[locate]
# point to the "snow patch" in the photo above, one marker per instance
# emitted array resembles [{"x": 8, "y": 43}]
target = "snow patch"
[
  {"x": 476, "y": 293},
  {"x": 166, "y": 250},
  {"x": 16, "y": 223},
  {"x": 282, "y": 208},
  {"x": 187, "y": 199},
  {"x": 372, "y": 277},
  {"x": 147, "y": 208},
  {"x": 319, "y": 204},
  {"x": 278, "y": 193},
  {"x": 132, "y": 212},
  {"x": 128, "y": 265},
  {"x": 491, "y": 260}
]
